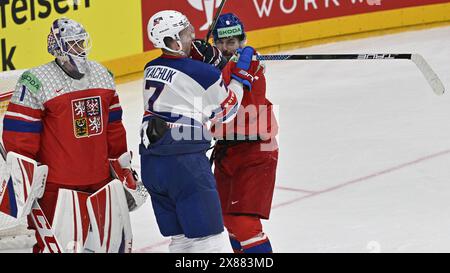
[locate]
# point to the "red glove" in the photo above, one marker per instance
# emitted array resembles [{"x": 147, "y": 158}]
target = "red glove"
[
  {"x": 135, "y": 191},
  {"x": 246, "y": 68}
]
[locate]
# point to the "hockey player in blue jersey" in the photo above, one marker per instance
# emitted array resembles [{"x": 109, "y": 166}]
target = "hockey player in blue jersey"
[{"x": 181, "y": 96}]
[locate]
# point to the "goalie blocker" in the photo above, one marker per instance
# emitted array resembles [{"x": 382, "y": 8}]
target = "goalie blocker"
[
  {"x": 22, "y": 182},
  {"x": 81, "y": 222},
  {"x": 135, "y": 191}
]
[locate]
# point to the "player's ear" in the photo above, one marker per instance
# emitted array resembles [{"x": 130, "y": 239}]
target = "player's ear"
[{"x": 171, "y": 43}]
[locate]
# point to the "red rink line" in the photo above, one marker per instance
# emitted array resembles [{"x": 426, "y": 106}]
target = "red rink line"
[
  {"x": 150, "y": 247},
  {"x": 364, "y": 178},
  {"x": 312, "y": 193},
  {"x": 294, "y": 189}
]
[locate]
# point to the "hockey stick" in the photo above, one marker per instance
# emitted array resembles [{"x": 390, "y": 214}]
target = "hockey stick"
[
  {"x": 214, "y": 22},
  {"x": 431, "y": 77}
]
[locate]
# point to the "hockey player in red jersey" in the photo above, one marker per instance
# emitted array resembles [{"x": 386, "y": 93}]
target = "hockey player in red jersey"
[
  {"x": 66, "y": 114},
  {"x": 246, "y": 153}
]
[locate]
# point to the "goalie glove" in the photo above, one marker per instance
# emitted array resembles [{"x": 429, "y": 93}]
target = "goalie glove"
[
  {"x": 134, "y": 188},
  {"x": 28, "y": 179}
]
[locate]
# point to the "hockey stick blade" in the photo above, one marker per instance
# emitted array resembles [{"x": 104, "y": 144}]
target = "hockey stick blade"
[{"x": 431, "y": 77}]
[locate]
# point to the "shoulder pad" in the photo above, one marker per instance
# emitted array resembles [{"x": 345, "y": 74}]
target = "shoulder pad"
[{"x": 30, "y": 81}]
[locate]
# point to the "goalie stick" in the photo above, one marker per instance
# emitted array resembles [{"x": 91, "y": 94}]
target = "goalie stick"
[{"x": 431, "y": 77}]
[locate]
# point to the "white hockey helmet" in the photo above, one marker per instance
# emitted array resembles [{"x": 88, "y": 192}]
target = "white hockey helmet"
[{"x": 167, "y": 23}]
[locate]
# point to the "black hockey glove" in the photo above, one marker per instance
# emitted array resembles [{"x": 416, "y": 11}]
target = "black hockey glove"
[{"x": 207, "y": 53}]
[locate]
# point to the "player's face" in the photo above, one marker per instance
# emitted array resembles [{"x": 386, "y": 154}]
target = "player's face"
[
  {"x": 228, "y": 46},
  {"x": 77, "y": 48},
  {"x": 187, "y": 36}
]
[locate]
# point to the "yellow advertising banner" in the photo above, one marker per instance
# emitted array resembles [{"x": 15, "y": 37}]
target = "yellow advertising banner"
[{"x": 114, "y": 26}]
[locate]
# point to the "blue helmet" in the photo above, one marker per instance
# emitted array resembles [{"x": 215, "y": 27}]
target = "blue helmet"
[{"x": 229, "y": 25}]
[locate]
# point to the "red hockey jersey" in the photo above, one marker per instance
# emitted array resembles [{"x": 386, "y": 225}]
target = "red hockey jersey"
[
  {"x": 73, "y": 126},
  {"x": 255, "y": 116}
]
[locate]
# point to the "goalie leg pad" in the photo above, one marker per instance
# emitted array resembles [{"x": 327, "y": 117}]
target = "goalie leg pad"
[
  {"x": 106, "y": 211},
  {"x": 110, "y": 220},
  {"x": 71, "y": 220}
]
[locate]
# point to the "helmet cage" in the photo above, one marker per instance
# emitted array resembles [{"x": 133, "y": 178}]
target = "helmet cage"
[{"x": 77, "y": 46}]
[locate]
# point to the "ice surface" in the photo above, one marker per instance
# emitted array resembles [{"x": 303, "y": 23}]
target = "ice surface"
[{"x": 364, "y": 151}]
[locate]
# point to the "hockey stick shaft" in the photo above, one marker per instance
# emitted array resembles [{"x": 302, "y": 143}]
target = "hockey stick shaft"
[
  {"x": 214, "y": 22},
  {"x": 308, "y": 57},
  {"x": 431, "y": 77}
]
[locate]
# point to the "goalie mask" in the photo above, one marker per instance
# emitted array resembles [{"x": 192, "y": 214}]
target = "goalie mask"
[{"x": 69, "y": 42}]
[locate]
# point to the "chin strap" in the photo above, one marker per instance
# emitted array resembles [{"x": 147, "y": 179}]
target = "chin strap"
[{"x": 180, "y": 52}]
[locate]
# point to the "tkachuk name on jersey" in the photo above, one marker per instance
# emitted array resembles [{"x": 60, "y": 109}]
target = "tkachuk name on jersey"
[{"x": 160, "y": 73}]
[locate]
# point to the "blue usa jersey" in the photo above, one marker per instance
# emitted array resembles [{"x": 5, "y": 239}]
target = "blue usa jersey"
[{"x": 187, "y": 94}]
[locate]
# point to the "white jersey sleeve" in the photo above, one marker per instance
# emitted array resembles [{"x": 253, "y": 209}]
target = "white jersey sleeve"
[
  {"x": 228, "y": 98},
  {"x": 182, "y": 90}
]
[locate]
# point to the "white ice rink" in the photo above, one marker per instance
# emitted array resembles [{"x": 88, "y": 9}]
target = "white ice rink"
[{"x": 364, "y": 151}]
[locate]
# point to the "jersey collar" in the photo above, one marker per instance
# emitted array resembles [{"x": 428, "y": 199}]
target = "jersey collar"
[{"x": 166, "y": 56}]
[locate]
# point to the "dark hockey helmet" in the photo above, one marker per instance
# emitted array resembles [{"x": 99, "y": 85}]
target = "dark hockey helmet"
[{"x": 229, "y": 25}]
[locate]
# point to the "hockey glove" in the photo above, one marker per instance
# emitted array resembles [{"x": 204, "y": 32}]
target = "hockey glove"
[
  {"x": 135, "y": 191},
  {"x": 207, "y": 53},
  {"x": 245, "y": 69}
]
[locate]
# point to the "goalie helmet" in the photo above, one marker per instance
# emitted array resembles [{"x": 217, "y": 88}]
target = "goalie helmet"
[
  {"x": 229, "y": 25},
  {"x": 69, "y": 41},
  {"x": 167, "y": 24}
]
